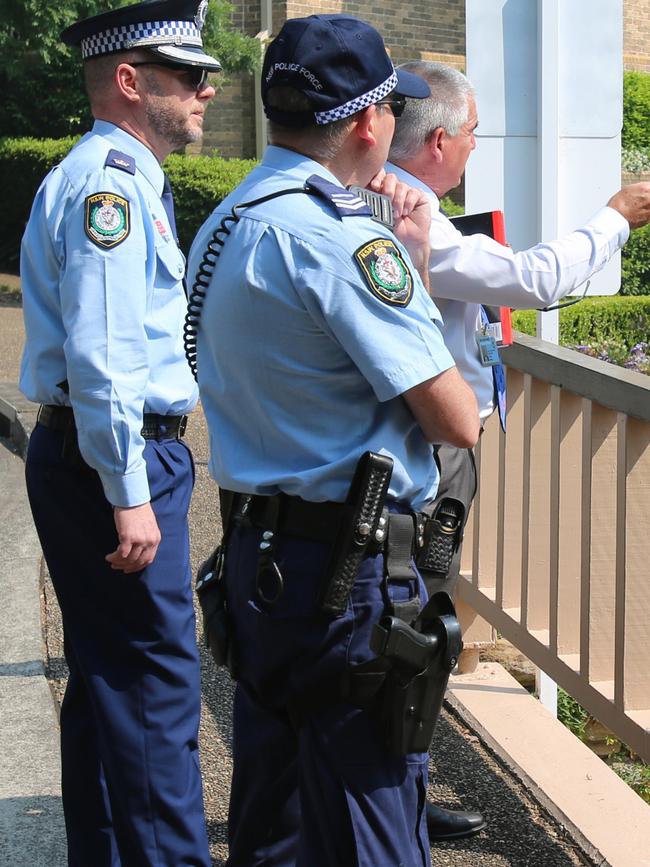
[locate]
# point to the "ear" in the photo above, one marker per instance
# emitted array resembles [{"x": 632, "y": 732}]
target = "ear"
[
  {"x": 365, "y": 125},
  {"x": 125, "y": 79},
  {"x": 436, "y": 144}
]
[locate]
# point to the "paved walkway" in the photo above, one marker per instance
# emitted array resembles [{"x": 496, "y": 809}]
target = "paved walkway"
[{"x": 463, "y": 772}]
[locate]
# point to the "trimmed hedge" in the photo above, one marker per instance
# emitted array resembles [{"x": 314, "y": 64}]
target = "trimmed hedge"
[
  {"x": 199, "y": 184},
  {"x": 451, "y": 208},
  {"x": 600, "y": 321},
  {"x": 24, "y": 162},
  {"x": 635, "y": 263},
  {"x": 636, "y": 110}
]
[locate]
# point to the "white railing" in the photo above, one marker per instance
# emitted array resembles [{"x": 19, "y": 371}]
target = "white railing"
[{"x": 557, "y": 548}]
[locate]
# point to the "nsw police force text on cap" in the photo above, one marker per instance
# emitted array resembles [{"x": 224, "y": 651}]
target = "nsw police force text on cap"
[{"x": 294, "y": 67}]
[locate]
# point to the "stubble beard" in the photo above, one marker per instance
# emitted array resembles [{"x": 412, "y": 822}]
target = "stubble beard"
[{"x": 169, "y": 125}]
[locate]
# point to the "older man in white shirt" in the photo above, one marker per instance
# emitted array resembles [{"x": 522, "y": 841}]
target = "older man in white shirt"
[{"x": 433, "y": 140}]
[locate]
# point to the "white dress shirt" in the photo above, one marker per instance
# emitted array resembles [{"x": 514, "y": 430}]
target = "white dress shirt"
[{"x": 469, "y": 270}]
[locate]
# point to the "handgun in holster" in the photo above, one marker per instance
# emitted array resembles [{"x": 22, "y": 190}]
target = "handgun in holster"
[
  {"x": 420, "y": 659},
  {"x": 443, "y": 533},
  {"x": 359, "y": 529},
  {"x": 212, "y": 599}
]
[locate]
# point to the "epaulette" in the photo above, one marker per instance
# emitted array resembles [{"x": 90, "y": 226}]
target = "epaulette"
[
  {"x": 347, "y": 204},
  {"x": 118, "y": 160}
]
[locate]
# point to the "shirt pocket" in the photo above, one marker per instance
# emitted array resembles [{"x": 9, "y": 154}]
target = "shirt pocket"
[
  {"x": 170, "y": 264},
  {"x": 169, "y": 270}
]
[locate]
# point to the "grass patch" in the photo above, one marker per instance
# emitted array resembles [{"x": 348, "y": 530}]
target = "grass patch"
[{"x": 10, "y": 292}]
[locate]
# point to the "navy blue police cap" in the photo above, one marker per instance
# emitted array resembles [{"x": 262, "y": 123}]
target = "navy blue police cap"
[
  {"x": 339, "y": 63},
  {"x": 170, "y": 29}
]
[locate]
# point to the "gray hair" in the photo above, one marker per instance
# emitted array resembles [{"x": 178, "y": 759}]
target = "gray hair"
[{"x": 447, "y": 107}]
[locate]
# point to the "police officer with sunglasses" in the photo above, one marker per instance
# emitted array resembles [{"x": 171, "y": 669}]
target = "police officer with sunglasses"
[{"x": 108, "y": 475}]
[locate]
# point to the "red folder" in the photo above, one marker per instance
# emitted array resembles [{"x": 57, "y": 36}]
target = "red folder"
[{"x": 489, "y": 223}]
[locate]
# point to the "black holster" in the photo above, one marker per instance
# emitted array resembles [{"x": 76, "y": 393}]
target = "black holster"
[
  {"x": 443, "y": 533},
  {"x": 212, "y": 599},
  {"x": 419, "y": 661}
]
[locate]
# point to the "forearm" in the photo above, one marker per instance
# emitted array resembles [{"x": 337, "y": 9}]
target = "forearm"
[{"x": 445, "y": 408}]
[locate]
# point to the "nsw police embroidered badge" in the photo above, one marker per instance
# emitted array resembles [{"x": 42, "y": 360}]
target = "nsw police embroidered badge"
[
  {"x": 385, "y": 271},
  {"x": 107, "y": 219}
]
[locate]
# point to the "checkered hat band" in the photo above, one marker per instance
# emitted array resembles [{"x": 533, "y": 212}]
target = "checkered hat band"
[
  {"x": 358, "y": 103},
  {"x": 133, "y": 35}
]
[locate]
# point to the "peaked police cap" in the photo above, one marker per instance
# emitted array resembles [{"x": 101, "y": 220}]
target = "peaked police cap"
[{"x": 170, "y": 29}]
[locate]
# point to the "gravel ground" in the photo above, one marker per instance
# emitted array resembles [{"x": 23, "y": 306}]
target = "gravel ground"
[
  {"x": 11, "y": 341},
  {"x": 463, "y": 772}
]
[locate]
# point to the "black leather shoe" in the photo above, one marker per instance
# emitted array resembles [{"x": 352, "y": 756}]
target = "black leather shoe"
[{"x": 452, "y": 824}]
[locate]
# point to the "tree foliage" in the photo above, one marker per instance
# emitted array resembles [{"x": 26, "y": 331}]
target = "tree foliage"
[
  {"x": 236, "y": 51},
  {"x": 41, "y": 79}
]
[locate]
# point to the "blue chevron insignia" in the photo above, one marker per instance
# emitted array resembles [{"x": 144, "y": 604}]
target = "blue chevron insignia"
[{"x": 346, "y": 203}]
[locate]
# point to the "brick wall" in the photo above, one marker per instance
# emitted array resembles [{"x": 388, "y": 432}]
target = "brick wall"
[
  {"x": 413, "y": 29},
  {"x": 229, "y": 128},
  {"x": 636, "y": 35}
]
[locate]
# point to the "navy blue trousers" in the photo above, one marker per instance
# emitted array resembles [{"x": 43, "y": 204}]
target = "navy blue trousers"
[
  {"x": 328, "y": 794},
  {"x": 131, "y": 782}
]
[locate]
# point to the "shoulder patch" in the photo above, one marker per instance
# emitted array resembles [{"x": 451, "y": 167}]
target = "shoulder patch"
[
  {"x": 118, "y": 160},
  {"x": 385, "y": 271},
  {"x": 107, "y": 219},
  {"x": 347, "y": 203}
]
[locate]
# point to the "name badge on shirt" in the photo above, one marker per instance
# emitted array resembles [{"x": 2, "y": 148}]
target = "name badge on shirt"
[
  {"x": 487, "y": 349},
  {"x": 162, "y": 228}
]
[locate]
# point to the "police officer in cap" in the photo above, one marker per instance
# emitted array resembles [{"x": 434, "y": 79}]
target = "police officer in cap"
[
  {"x": 318, "y": 344},
  {"x": 108, "y": 476}
]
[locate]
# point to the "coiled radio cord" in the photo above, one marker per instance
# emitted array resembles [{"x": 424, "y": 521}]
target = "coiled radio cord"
[{"x": 206, "y": 268}]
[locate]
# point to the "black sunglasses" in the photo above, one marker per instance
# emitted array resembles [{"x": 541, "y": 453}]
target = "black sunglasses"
[
  {"x": 397, "y": 104},
  {"x": 196, "y": 75}
]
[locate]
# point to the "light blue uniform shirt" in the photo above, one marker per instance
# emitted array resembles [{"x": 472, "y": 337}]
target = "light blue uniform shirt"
[
  {"x": 302, "y": 366},
  {"x": 106, "y": 319}
]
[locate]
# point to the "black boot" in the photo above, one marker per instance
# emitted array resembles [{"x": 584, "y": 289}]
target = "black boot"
[{"x": 452, "y": 824}]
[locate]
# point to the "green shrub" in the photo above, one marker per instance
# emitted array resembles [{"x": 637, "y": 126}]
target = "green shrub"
[
  {"x": 635, "y": 263},
  {"x": 451, "y": 208},
  {"x": 636, "y": 110},
  {"x": 599, "y": 321},
  {"x": 24, "y": 162},
  {"x": 199, "y": 183}
]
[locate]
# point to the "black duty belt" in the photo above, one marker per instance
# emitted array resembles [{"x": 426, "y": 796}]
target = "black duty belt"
[
  {"x": 293, "y": 516},
  {"x": 154, "y": 426}
]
